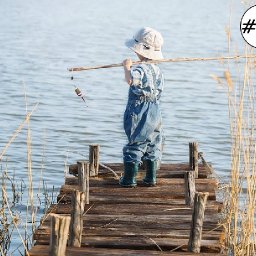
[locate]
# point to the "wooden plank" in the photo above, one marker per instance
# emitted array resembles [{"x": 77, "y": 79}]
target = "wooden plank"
[
  {"x": 164, "y": 167},
  {"x": 119, "y": 230},
  {"x": 113, "y": 199},
  {"x": 152, "y": 220},
  {"x": 119, "y": 191},
  {"x": 166, "y": 170},
  {"x": 134, "y": 218},
  {"x": 42, "y": 250},
  {"x": 166, "y": 192},
  {"x": 201, "y": 184},
  {"x": 178, "y": 222},
  {"x": 143, "y": 243},
  {"x": 43, "y": 232},
  {"x": 96, "y": 208},
  {"x": 146, "y": 243}
]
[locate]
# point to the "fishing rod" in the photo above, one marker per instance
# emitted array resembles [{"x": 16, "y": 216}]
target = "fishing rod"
[{"x": 75, "y": 69}]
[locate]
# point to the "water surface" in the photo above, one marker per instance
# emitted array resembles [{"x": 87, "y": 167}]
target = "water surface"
[{"x": 41, "y": 39}]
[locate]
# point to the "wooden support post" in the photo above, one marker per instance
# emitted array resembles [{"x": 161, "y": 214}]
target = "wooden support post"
[
  {"x": 193, "y": 157},
  {"x": 190, "y": 187},
  {"x": 59, "y": 235},
  {"x": 83, "y": 178},
  {"x": 76, "y": 225},
  {"x": 94, "y": 153},
  {"x": 194, "y": 243}
]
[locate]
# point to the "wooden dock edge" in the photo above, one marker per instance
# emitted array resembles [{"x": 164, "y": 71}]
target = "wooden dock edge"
[{"x": 84, "y": 169}]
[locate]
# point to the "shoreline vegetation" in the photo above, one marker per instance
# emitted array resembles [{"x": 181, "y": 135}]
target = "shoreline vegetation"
[
  {"x": 240, "y": 195},
  {"x": 16, "y": 194},
  {"x": 12, "y": 221}
]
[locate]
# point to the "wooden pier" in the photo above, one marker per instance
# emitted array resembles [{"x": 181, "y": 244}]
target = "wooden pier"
[{"x": 180, "y": 216}]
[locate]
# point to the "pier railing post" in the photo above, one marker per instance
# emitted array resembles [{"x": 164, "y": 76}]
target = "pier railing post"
[
  {"x": 193, "y": 157},
  {"x": 94, "y": 153},
  {"x": 59, "y": 235},
  {"x": 83, "y": 178},
  {"x": 195, "y": 237},
  {"x": 76, "y": 225},
  {"x": 190, "y": 187}
]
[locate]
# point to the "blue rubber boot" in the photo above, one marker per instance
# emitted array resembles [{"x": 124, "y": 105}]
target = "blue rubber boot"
[
  {"x": 130, "y": 173},
  {"x": 151, "y": 168}
]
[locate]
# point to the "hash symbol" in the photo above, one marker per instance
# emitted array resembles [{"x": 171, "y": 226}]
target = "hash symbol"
[{"x": 249, "y": 26}]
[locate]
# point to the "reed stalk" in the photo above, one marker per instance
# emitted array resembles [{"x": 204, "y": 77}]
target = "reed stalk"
[
  {"x": 240, "y": 197},
  {"x": 17, "y": 131},
  {"x": 9, "y": 217},
  {"x": 30, "y": 175}
]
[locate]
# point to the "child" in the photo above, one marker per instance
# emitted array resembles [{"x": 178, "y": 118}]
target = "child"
[{"x": 142, "y": 117}]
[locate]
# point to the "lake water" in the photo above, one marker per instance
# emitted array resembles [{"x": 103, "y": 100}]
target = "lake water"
[{"x": 39, "y": 40}]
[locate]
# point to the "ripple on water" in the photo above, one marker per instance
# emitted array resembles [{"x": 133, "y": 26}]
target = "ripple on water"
[{"x": 43, "y": 42}]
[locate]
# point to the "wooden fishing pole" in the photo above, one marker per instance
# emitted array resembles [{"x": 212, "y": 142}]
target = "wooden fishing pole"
[{"x": 164, "y": 60}]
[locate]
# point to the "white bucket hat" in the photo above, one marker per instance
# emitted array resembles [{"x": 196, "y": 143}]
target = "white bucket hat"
[{"x": 147, "y": 42}]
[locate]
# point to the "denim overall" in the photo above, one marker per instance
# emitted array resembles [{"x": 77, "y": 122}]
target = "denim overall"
[{"x": 142, "y": 117}]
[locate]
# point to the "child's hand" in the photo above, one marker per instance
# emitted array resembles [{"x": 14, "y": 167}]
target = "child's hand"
[
  {"x": 127, "y": 63},
  {"x": 127, "y": 70}
]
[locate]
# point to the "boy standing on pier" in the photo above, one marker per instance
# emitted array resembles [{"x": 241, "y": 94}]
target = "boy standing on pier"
[{"x": 142, "y": 117}]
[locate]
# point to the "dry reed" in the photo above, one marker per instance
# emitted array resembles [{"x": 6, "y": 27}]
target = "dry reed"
[
  {"x": 10, "y": 220},
  {"x": 18, "y": 130},
  {"x": 240, "y": 197}
]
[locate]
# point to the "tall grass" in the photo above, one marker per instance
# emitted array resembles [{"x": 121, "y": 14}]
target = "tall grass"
[
  {"x": 6, "y": 225},
  {"x": 240, "y": 197},
  {"x": 11, "y": 219}
]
